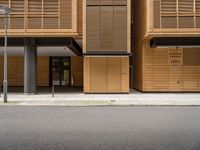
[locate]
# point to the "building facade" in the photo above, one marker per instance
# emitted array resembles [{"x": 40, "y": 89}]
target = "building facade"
[
  {"x": 90, "y": 44},
  {"x": 166, "y": 54},
  {"x": 84, "y": 43}
]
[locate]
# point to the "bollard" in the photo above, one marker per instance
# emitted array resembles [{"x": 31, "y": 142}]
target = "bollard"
[
  {"x": 53, "y": 88},
  {"x": 0, "y": 90}
]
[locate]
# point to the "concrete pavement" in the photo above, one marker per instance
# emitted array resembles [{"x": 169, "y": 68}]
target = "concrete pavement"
[{"x": 80, "y": 99}]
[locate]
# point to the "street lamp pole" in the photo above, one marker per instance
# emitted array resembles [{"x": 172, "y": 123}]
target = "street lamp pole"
[
  {"x": 5, "y": 81},
  {"x": 5, "y": 11}
]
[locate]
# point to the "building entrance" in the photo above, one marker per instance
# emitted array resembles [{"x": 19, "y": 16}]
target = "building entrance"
[{"x": 60, "y": 71}]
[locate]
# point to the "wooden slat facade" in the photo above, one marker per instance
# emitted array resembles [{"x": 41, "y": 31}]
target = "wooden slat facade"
[
  {"x": 106, "y": 32},
  {"x": 166, "y": 69},
  {"x": 106, "y": 74},
  {"x": 43, "y": 17},
  {"x": 16, "y": 72},
  {"x": 106, "y": 26}
]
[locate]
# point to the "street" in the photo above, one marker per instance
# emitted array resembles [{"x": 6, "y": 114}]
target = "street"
[{"x": 99, "y": 128}]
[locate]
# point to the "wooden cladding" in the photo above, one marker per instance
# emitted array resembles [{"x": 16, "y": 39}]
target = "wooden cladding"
[
  {"x": 176, "y": 13},
  {"x": 16, "y": 72},
  {"x": 106, "y": 74},
  {"x": 41, "y": 16},
  {"x": 106, "y": 25},
  {"x": 170, "y": 69}
]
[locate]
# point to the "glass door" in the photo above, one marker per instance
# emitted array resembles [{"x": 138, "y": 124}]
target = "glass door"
[{"x": 60, "y": 71}]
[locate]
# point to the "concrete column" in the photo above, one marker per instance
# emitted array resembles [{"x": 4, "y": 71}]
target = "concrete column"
[{"x": 30, "y": 66}]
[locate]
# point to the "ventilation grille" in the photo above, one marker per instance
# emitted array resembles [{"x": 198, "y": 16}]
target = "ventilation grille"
[{"x": 175, "y": 56}]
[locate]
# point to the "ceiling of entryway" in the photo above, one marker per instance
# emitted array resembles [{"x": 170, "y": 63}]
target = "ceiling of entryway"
[{"x": 41, "y": 51}]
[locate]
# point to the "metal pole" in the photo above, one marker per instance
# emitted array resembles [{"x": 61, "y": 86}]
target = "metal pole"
[
  {"x": 5, "y": 82},
  {"x": 53, "y": 88}
]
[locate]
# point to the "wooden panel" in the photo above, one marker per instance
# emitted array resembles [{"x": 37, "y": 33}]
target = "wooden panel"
[
  {"x": 185, "y": 6},
  {"x": 120, "y": 28},
  {"x": 114, "y": 75},
  {"x": 186, "y": 22},
  {"x": 120, "y": 2},
  {"x": 198, "y": 22},
  {"x": 106, "y": 29},
  {"x": 157, "y": 14},
  {"x": 197, "y": 4},
  {"x": 125, "y": 81},
  {"x": 66, "y": 14},
  {"x": 45, "y": 16},
  {"x": 92, "y": 37},
  {"x": 93, "y": 2},
  {"x": 169, "y": 22},
  {"x": 168, "y": 6},
  {"x": 175, "y": 78},
  {"x": 43, "y": 71},
  {"x": 80, "y": 17},
  {"x": 98, "y": 75},
  {"x": 106, "y": 75},
  {"x": 77, "y": 70},
  {"x": 86, "y": 74},
  {"x": 169, "y": 70},
  {"x": 50, "y": 23},
  {"x": 107, "y": 26},
  {"x": 34, "y": 22},
  {"x": 190, "y": 78},
  {"x": 191, "y": 57},
  {"x": 15, "y": 72},
  {"x": 106, "y": 2}
]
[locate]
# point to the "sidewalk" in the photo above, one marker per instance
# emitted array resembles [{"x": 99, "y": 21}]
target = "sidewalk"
[{"x": 80, "y": 99}]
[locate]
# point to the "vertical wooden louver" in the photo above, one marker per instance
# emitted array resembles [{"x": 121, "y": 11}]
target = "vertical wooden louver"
[
  {"x": 45, "y": 16},
  {"x": 176, "y": 13},
  {"x": 157, "y": 14},
  {"x": 106, "y": 28},
  {"x": 17, "y": 15},
  {"x": 3, "y": 3},
  {"x": 106, "y": 25},
  {"x": 50, "y": 14},
  {"x": 185, "y": 6},
  {"x": 168, "y": 12},
  {"x": 34, "y": 14},
  {"x": 65, "y": 14}
]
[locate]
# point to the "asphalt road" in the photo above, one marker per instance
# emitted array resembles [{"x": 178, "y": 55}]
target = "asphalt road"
[{"x": 99, "y": 128}]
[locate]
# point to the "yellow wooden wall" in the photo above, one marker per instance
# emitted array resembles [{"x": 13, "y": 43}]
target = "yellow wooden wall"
[
  {"x": 154, "y": 68},
  {"x": 43, "y": 17},
  {"x": 171, "y": 69},
  {"x": 43, "y": 71},
  {"x": 106, "y": 74},
  {"x": 106, "y": 26},
  {"x": 77, "y": 70},
  {"x": 16, "y": 71}
]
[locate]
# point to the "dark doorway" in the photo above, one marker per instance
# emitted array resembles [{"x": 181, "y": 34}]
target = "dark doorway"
[{"x": 60, "y": 71}]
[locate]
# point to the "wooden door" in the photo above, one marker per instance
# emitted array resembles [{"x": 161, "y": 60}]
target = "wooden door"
[
  {"x": 175, "y": 64},
  {"x": 98, "y": 75}
]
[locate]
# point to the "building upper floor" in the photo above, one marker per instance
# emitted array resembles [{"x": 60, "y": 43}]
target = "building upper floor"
[
  {"x": 165, "y": 17},
  {"x": 43, "y": 17}
]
